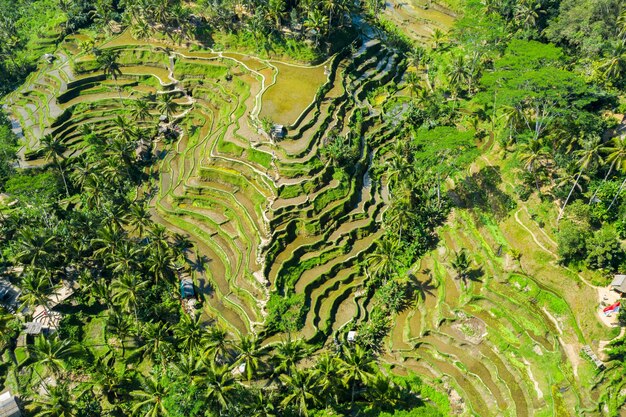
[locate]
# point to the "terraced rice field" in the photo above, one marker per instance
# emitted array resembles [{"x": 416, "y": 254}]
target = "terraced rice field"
[{"x": 273, "y": 216}]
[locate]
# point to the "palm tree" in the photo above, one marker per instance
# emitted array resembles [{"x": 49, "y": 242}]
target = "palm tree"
[
  {"x": 215, "y": 341},
  {"x": 526, "y": 13},
  {"x": 357, "y": 367},
  {"x": 50, "y": 353},
  {"x": 120, "y": 325},
  {"x": 189, "y": 332},
  {"x": 316, "y": 22},
  {"x": 461, "y": 265},
  {"x": 326, "y": 372},
  {"x": 6, "y": 333},
  {"x": 36, "y": 290},
  {"x": 590, "y": 153},
  {"x": 249, "y": 352},
  {"x": 438, "y": 38},
  {"x": 531, "y": 154},
  {"x": 124, "y": 259},
  {"x": 35, "y": 249},
  {"x": 54, "y": 149},
  {"x": 166, "y": 105},
  {"x": 276, "y": 11},
  {"x": 189, "y": 366},
  {"x": 302, "y": 386},
  {"x": 124, "y": 129},
  {"x": 57, "y": 402},
  {"x": 288, "y": 353},
  {"x": 127, "y": 291},
  {"x": 138, "y": 217},
  {"x": 220, "y": 386},
  {"x": 107, "y": 60},
  {"x": 140, "y": 110},
  {"x": 616, "y": 157},
  {"x": 148, "y": 401},
  {"x": 399, "y": 216},
  {"x": 614, "y": 66},
  {"x": 412, "y": 82},
  {"x": 156, "y": 340},
  {"x": 458, "y": 73},
  {"x": 383, "y": 262},
  {"x": 140, "y": 29}
]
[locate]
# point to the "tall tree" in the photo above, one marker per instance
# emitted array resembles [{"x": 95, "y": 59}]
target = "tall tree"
[{"x": 54, "y": 149}]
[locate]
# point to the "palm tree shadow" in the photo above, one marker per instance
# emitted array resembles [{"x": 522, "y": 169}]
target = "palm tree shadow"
[
  {"x": 476, "y": 274},
  {"x": 421, "y": 288},
  {"x": 199, "y": 264}
]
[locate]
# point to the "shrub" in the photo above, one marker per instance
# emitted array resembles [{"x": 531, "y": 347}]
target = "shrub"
[
  {"x": 572, "y": 242},
  {"x": 605, "y": 250}
]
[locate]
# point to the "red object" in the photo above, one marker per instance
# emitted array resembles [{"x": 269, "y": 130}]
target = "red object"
[{"x": 611, "y": 307}]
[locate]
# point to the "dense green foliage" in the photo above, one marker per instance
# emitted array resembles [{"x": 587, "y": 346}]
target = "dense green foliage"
[{"x": 540, "y": 78}]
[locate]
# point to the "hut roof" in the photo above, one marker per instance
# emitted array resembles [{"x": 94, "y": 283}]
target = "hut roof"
[
  {"x": 33, "y": 327},
  {"x": 619, "y": 283},
  {"x": 8, "y": 406}
]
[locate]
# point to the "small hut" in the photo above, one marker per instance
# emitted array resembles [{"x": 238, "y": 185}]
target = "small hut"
[
  {"x": 33, "y": 328},
  {"x": 186, "y": 289},
  {"x": 278, "y": 132},
  {"x": 619, "y": 284},
  {"x": 142, "y": 151},
  {"x": 8, "y": 406}
]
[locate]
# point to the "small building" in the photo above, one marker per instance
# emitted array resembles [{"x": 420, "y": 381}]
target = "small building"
[
  {"x": 142, "y": 151},
  {"x": 619, "y": 284},
  {"x": 278, "y": 132},
  {"x": 352, "y": 336},
  {"x": 49, "y": 58},
  {"x": 186, "y": 289},
  {"x": 8, "y": 406},
  {"x": 33, "y": 328}
]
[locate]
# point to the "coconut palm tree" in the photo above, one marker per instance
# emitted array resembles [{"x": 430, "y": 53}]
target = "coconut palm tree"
[
  {"x": 276, "y": 11},
  {"x": 189, "y": 332},
  {"x": 156, "y": 340},
  {"x": 317, "y": 23},
  {"x": 126, "y": 292},
  {"x": 326, "y": 372},
  {"x": 35, "y": 249},
  {"x": 302, "y": 391},
  {"x": 107, "y": 378},
  {"x": 412, "y": 82},
  {"x": 533, "y": 155},
  {"x": 36, "y": 289},
  {"x": 50, "y": 353},
  {"x": 148, "y": 401},
  {"x": 287, "y": 355},
  {"x": 616, "y": 157},
  {"x": 220, "y": 386},
  {"x": 108, "y": 62},
  {"x": 216, "y": 344},
  {"x": 124, "y": 129},
  {"x": 249, "y": 353},
  {"x": 120, "y": 325},
  {"x": 140, "y": 110},
  {"x": 614, "y": 65},
  {"x": 138, "y": 217},
  {"x": 356, "y": 368},
  {"x": 461, "y": 265},
  {"x": 58, "y": 401},
  {"x": 383, "y": 262},
  {"x": 590, "y": 154},
  {"x": 166, "y": 105},
  {"x": 53, "y": 150}
]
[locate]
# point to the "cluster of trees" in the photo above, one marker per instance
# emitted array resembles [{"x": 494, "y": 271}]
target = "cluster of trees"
[
  {"x": 199, "y": 371},
  {"x": 497, "y": 74}
]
